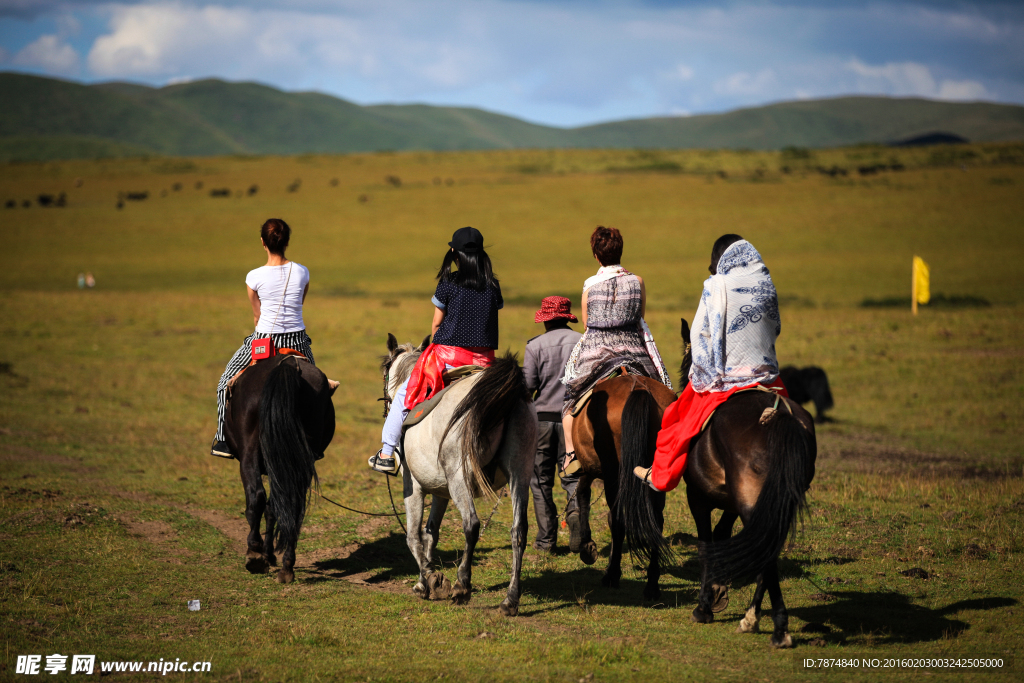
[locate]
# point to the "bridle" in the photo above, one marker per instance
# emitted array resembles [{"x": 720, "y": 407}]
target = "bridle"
[{"x": 387, "y": 397}]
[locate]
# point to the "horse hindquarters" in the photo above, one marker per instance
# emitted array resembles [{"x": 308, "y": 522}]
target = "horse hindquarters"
[{"x": 287, "y": 458}]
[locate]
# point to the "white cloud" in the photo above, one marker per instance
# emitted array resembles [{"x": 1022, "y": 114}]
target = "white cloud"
[
  {"x": 683, "y": 72},
  {"x": 743, "y": 83},
  {"x": 51, "y": 53},
  {"x": 913, "y": 79}
]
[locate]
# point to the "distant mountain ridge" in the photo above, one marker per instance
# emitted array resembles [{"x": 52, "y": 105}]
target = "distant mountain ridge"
[{"x": 45, "y": 118}]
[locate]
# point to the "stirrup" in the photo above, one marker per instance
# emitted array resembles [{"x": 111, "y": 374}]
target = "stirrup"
[
  {"x": 379, "y": 462},
  {"x": 644, "y": 474},
  {"x": 572, "y": 466}
]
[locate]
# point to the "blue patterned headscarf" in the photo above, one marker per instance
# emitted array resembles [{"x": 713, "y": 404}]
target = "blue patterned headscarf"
[{"x": 736, "y": 325}]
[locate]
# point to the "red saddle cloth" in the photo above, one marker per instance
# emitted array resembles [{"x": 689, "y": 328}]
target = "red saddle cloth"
[
  {"x": 426, "y": 378},
  {"x": 682, "y": 421}
]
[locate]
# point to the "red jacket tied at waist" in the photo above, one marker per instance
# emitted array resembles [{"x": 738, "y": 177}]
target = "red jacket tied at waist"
[
  {"x": 425, "y": 380},
  {"x": 681, "y": 422}
]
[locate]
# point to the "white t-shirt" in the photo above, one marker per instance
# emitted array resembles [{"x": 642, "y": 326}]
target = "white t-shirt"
[{"x": 268, "y": 283}]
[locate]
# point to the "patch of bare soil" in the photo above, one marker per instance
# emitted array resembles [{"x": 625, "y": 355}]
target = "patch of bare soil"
[
  {"x": 235, "y": 528},
  {"x": 368, "y": 527},
  {"x": 157, "y": 533}
]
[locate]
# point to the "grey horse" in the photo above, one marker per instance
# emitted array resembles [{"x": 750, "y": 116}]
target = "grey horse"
[{"x": 482, "y": 435}]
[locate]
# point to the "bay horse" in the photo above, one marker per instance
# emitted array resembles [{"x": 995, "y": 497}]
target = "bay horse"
[
  {"x": 280, "y": 420},
  {"x": 615, "y": 432},
  {"x": 758, "y": 473},
  {"x": 482, "y": 434}
]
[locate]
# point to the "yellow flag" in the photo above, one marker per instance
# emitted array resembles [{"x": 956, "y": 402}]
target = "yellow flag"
[{"x": 922, "y": 293}]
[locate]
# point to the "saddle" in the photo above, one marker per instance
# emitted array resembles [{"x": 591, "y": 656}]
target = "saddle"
[
  {"x": 585, "y": 398},
  {"x": 285, "y": 351},
  {"x": 421, "y": 410}
]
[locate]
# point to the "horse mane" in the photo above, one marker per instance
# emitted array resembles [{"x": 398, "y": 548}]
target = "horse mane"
[{"x": 400, "y": 364}]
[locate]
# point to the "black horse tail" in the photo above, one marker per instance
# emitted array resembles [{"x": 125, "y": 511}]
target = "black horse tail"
[
  {"x": 780, "y": 504},
  {"x": 490, "y": 400},
  {"x": 636, "y": 502},
  {"x": 287, "y": 457}
]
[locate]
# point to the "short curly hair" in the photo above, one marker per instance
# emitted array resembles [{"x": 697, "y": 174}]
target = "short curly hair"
[{"x": 606, "y": 243}]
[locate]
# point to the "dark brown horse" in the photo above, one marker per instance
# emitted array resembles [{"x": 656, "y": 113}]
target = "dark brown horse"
[
  {"x": 755, "y": 472},
  {"x": 620, "y": 425},
  {"x": 280, "y": 421}
]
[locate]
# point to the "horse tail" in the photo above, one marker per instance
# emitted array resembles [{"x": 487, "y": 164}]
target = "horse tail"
[
  {"x": 634, "y": 503},
  {"x": 780, "y": 505},
  {"x": 491, "y": 399},
  {"x": 287, "y": 457}
]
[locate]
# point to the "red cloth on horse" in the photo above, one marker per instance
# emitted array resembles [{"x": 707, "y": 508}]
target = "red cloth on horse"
[
  {"x": 681, "y": 422},
  {"x": 425, "y": 380}
]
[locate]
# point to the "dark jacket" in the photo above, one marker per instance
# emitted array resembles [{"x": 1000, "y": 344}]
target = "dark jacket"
[{"x": 544, "y": 365}]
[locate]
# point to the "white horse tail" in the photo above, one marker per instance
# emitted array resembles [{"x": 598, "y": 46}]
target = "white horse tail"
[{"x": 490, "y": 400}]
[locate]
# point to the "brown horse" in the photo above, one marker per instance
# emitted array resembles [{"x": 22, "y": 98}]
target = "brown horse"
[
  {"x": 620, "y": 425},
  {"x": 280, "y": 421},
  {"x": 756, "y": 472}
]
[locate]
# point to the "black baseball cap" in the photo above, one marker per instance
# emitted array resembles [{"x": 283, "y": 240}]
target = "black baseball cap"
[{"x": 468, "y": 240}]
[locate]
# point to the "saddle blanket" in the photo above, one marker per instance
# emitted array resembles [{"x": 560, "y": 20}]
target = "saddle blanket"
[
  {"x": 685, "y": 419},
  {"x": 420, "y": 411}
]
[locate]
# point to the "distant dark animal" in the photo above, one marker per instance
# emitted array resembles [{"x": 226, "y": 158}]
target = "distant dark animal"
[
  {"x": 45, "y": 199},
  {"x": 832, "y": 172},
  {"x": 120, "y": 204},
  {"x": 280, "y": 420},
  {"x": 176, "y": 187},
  {"x": 616, "y": 432},
  {"x": 393, "y": 180},
  {"x": 809, "y": 384},
  {"x": 253, "y": 189},
  {"x": 755, "y": 465},
  {"x": 363, "y": 198},
  {"x": 137, "y": 196},
  {"x": 294, "y": 187},
  {"x": 220, "y": 192},
  {"x": 871, "y": 169},
  {"x": 10, "y": 204},
  {"x": 334, "y": 182}
]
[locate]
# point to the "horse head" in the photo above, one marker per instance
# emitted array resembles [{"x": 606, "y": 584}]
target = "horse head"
[{"x": 397, "y": 364}]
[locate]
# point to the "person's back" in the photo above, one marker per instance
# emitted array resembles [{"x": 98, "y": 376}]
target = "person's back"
[{"x": 615, "y": 303}]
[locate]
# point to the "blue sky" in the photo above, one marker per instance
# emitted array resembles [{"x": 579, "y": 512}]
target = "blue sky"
[{"x": 559, "y": 62}]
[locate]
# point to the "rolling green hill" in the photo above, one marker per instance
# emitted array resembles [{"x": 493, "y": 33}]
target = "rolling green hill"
[{"x": 46, "y": 118}]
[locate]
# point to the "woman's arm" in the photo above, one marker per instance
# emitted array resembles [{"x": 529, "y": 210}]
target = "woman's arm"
[
  {"x": 583, "y": 313},
  {"x": 643, "y": 296},
  {"x": 254, "y": 299},
  {"x": 438, "y": 317}
]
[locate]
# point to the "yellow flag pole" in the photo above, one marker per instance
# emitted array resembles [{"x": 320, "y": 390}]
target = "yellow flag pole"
[{"x": 913, "y": 286}]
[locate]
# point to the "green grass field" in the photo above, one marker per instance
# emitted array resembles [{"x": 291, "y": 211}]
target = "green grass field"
[{"x": 112, "y": 516}]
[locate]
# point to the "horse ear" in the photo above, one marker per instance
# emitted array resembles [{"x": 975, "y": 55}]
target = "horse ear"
[
  {"x": 684, "y": 330},
  {"x": 425, "y": 344},
  {"x": 392, "y": 343}
]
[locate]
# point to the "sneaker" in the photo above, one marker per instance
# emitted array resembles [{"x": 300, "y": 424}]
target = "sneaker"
[
  {"x": 388, "y": 464},
  {"x": 221, "y": 450}
]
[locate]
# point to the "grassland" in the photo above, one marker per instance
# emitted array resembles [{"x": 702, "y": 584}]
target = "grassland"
[{"x": 112, "y": 515}]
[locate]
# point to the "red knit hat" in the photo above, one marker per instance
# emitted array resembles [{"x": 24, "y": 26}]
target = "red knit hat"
[{"x": 554, "y": 308}]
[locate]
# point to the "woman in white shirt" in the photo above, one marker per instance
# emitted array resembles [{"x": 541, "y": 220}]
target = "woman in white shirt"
[{"x": 276, "y": 292}]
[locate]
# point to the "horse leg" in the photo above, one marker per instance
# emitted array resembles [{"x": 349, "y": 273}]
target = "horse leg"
[
  {"x": 780, "y": 636},
  {"x": 438, "y": 506},
  {"x": 618, "y": 528},
  {"x": 463, "y": 499},
  {"x": 255, "y": 504},
  {"x": 286, "y": 574},
  {"x": 414, "y": 539},
  {"x": 723, "y": 530},
  {"x": 702, "y": 613},
  {"x": 588, "y": 549},
  {"x": 520, "y": 488},
  {"x": 652, "y": 591},
  {"x": 750, "y": 623},
  {"x": 268, "y": 536}
]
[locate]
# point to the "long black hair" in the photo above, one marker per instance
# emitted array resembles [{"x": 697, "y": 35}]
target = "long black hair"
[
  {"x": 474, "y": 270},
  {"x": 721, "y": 245}
]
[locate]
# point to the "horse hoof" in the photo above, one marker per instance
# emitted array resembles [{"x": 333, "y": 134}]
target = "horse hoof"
[
  {"x": 608, "y": 581},
  {"x": 507, "y": 609},
  {"x": 256, "y": 565},
  {"x": 421, "y": 590},
  {"x": 652, "y": 593},
  {"x": 461, "y": 595},
  {"x": 750, "y": 623},
  {"x": 783, "y": 642},
  {"x": 588, "y": 553},
  {"x": 721, "y": 595},
  {"x": 699, "y": 617},
  {"x": 440, "y": 587},
  {"x": 271, "y": 560},
  {"x": 284, "y": 576}
]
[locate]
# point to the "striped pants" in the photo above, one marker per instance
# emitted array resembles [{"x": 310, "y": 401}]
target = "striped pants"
[{"x": 299, "y": 341}]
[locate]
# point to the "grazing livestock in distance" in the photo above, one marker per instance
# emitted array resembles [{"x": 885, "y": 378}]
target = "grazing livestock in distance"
[
  {"x": 393, "y": 180},
  {"x": 294, "y": 187},
  {"x": 137, "y": 196},
  {"x": 809, "y": 384},
  {"x": 220, "y": 192},
  {"x": 334, "y": 182},
  {"x": 10, "y": 204},
  {"x": 176, "y": 187},
  {"x": 253, "y": 189},
  {"x": 45, "y": 199}
]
